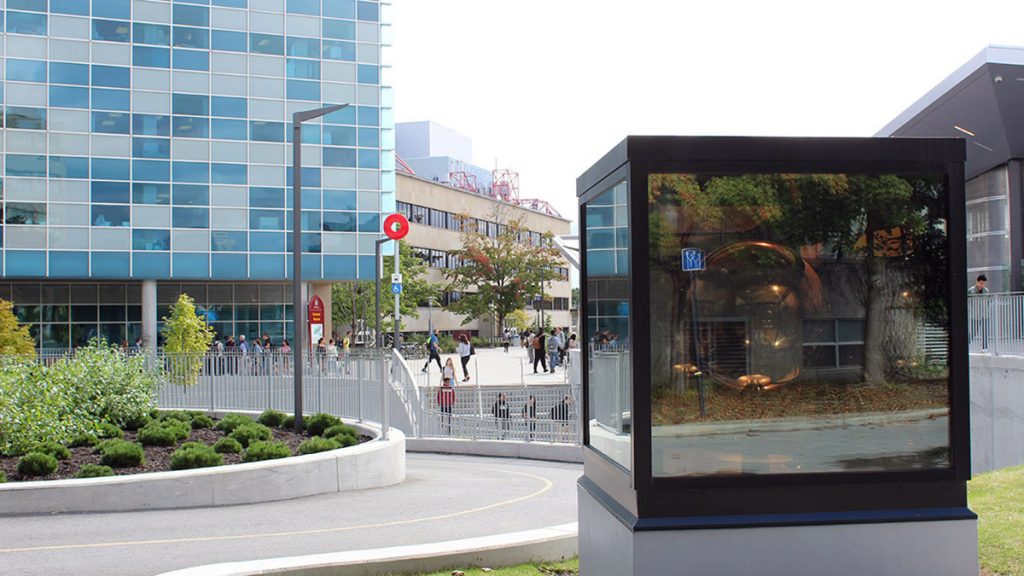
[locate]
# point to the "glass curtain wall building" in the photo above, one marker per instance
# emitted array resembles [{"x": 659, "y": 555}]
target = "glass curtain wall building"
[{"x": 147, "y": 150}]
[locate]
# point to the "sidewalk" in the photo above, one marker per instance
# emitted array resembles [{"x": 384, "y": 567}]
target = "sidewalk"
[{"x": 492, "y": 367}]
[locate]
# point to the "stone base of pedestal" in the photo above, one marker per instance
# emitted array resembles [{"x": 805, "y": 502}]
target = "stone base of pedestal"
[{"x": 608, "y": 547}]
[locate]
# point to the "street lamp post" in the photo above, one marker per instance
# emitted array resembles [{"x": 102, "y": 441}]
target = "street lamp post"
[
  {"x": 378, "y": 338},
  {"x": 297, "y": 302}
]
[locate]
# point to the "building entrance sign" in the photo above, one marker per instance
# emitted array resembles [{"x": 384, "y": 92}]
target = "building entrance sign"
[{"x": 316, "y": 320}]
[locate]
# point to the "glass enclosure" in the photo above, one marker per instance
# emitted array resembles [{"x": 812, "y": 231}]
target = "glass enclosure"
[
  {"x": 608, "y": 281},
  {"x": 788, "y": 320}
]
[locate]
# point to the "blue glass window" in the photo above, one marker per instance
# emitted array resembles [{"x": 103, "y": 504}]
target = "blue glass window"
[
  {"x": 369, "y": 137},
  {"x": 369, "y": 222},
  {"x": 266, "y": 265},
  {"x": 192, "y": 37},
  {"x": 190, "y": 217},
  {"x": 230, "y": 41},
  {"x": 310, "y": 134},
  {"x": 310, "y": 178},
  {"x": 340, "y": 29},
  {"x": 339, "y": 50},
  {"x": 68, "y": 73},
  {"x": 69, "y": 264},
  {"x": 339, "y": 200},
  {"x": 151, "y": 239},
  {"x": 191, "y": 195},
  {"x": 111, "y": 215},
  {"x": 339, "y": 221},
  {"x": 340, "y": 9},
  {"x": 341, "y": 267},
  {"x": 191, "y": 172},
  {"x": 121, "y": 9},
  {"x": 111, "y": 122},
  {"x": 151, "y": 57},
  {"x": 231, "y": 3},
  {"x": 25, "y": 165},
  {"x": 369, "y": 159},
  {"x": 151, "y": 265},
  {"x": 346, "y": 115},
  {"x": 159, "y": 170},
  {"x": 110, "y": 192},
  {"x": 191, "y": 15},
  {"x": 24, "y": 118},
  {"x": 266, "y": 220},
  {"x": 37, "y": 5},
  {"x": 228, "y": 241},
  {"x": 228, "y": 266},
  {"x": 368, "y": 74},
  {"x": 192, "y": 104},
  {"x": 311, "y": 243},
  {"x": 368, "y": 115},
  {"x": 76, "y": 7},
  {"x": 110, "y": 264},
  {"x": 230, "y": 107},
  {"x": 297, "y": 68},
  {"x": 26, "y": 70},
  {"x": 151, "y": 148},
  {"x": 25, "y": 213},
  {"x": 106, "y": 99},
  {"x": 311, "y": 221},
  {"x": 159, "y": 34},
  {"x": 368, "y": 11},
  {"x": 303, "y": 90},
  {"x": 191, "y": 60},
  {"x": 266, "y": 241},
  {"x": 191, "y": 127},
  {"x": 229, "y": 173},
  {"x": 191, "y": 265},
  {"x": 339, "y": 135},
  {"x": 310, "y": 198},
  {"x": 111, "y": 76},
  {"x": 263, "y": 131},
  {"x": 304, "y": 47},
  {"x": 26, "y": 263},
  {"x": 304, "y": 7},
  {"x": 26, "y": 23},
  {"x": 112, "y": 169},
  {"x": 266, "y": 197},
  {"x": 266, "y": 44},
  {"x": 151, "y": 125},
  {"x": 343, "y": 157},
  {"x": 69, "y": 167},
  {"x": 229, "y": 129},
  {"x": 151, "y": 193},
  {"x": 111, "y": 30}
]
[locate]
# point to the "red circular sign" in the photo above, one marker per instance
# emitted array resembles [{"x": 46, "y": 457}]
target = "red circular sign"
[{"x": 396, "y": 226}]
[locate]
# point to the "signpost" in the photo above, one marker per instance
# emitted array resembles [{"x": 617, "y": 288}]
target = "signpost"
[{"x": 396, "y": 226}]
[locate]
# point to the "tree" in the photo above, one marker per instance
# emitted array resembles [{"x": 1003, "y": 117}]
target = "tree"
[
  {"x": 187, "y": 337},
  {"x": 518, "y": 319},
  {"x": 14, "y": 337},
  {"x": 500, "y": 272}
]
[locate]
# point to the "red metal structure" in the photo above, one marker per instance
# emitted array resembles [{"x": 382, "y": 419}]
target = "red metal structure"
[{"x": 505, "y": 185}]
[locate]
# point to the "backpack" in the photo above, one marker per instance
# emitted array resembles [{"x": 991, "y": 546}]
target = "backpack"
[{"x": 536, "y": 343}]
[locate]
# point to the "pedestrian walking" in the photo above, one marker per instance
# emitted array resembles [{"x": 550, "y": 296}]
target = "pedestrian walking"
[
  {"x": 554, "y": 348},
  {"x": 445, "y": 401},
  {"x": 539, "y": 342},
  {"x": 448, "y": 372},
  {"x": 502, "y": 414},
  {"x": 434, "y": 351},
  {"x": 979, "y": 318},
  {"x": 346, "y": 357},
  {"x": 465, "y": 350}
]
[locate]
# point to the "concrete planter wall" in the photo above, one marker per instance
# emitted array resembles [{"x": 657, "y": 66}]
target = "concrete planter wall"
[
  {"x": 997, "y": 412},
  {"x": 369, "y": 465}
]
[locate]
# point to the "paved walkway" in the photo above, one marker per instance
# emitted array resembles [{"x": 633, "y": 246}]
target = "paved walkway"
[
  {"x": 492, "y": 366},
  {"x": 444, "y": 498}
]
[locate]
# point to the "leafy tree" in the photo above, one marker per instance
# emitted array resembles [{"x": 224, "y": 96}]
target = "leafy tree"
[
  {"x": 14, "y": 338},
  {"x": 188, "y": 338},
  {"x": 499, "y": 274},
  {"x": 518, "y": 319}
]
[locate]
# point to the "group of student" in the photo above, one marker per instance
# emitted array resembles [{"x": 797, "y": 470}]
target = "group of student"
[{"x": 550, "y": 351}]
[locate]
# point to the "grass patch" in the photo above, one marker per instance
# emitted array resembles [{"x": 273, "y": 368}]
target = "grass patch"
[
  {"x": 998, "y": 499},
  {"x": 567, "y": 568}
]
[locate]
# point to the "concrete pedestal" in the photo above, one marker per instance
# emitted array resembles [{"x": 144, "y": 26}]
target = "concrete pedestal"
[{"x": 936, "y": 548}]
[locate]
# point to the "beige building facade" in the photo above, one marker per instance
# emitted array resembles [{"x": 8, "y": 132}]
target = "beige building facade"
[{"x": 432, "y": 208}]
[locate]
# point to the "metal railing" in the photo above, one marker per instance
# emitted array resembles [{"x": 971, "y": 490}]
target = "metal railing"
[
  {"x": 995, "y": 324},
  {"x": 502, "y": 413}
]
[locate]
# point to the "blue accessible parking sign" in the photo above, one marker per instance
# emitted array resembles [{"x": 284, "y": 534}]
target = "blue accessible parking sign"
[
  {"x": 693, "y": 259},
  {"x": 396, "y": 288}
]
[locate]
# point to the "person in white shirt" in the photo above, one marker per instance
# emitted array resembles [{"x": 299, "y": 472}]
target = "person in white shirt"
[{"x": 465, "y": 350}]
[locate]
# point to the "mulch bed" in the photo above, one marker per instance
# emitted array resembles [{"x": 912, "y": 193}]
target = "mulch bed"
[{"x": 158, "y": 458}]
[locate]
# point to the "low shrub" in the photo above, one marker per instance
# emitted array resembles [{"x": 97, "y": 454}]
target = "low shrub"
[
  {"x": 272, "y": 418},
  {"x": 318, "y": 444},
  {"x": 201, "y": 421},
  {"x": 58, "y": 451},
  {"x": 121, "y": 454},
  {"x": 179, "y": 415},
  {"x": 251, "y": 432},
  {"x": 266, "y": 450},
  {"x": 94, "y": 471},
  {"x": 227, "y": 446},
  {"x": 195, "y": 455},
  {"x": 37, "y": 464},
  {"x": 229, "y": 422},
  {"x": 318, "y": 423},
  {"x": 3, "y": 477},
  {"x": 157, "y": 435},
  {"x": 137, "y": 421},
  {"x": 108, "y": 430},
  {"x": 341, "y": 430},
  {"x": 83, "y": 440},
  {"x": 345, "y": 440},
  {"x": 289, "y": 422}
]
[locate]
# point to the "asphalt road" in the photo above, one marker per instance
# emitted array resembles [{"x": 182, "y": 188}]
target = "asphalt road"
[{"x": 443, "y": 498}]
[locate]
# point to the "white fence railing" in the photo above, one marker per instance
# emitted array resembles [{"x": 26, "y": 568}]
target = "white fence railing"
[{"x": 995, "y": 324}]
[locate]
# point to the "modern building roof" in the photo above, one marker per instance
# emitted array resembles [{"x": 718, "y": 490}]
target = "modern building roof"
[{"x": 981, "y": 102}]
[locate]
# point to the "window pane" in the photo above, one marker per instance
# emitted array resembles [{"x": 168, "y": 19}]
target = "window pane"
[
  {"x": 158, "y": 34},
  {"x": 111, "y": 30}
]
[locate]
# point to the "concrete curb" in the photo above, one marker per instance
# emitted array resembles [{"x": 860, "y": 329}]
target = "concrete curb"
[
  {"x": 370, "y": 465},
  {"x": 541, "y": 545},
  {"x": 498, "y": 448}
]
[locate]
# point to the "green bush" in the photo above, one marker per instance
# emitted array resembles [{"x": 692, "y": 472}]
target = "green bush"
[
  {"x": 108, "y": 430},
  {"x": 195, "y": 455},
  {"x": 341, "y": 430},
  {"x": 157, "y": 436},
  {"x": 137, "y": 421},
  {"x": 179, "y": 415},
  {"x": 121, "y": 454},
  {"x": 201, "y": 421},
  {"x": 345, "y": 440},
  {"x": 227, "y": 446},
  {"x": 251, "y": 432},
  {"x": 37, "y": 464},
  {"x": 272, "y": 418},
  {"x": 3, "y": 477},
  {"x": 229, "y": 422},
  {"x": 318, "y": 444},
  {"x": 58, "y": 451},
  {"x": 83, "y": 440},
  {"x": 318, "y": 423},
  {"x": 94, "y": 471},
  {"x": 266, "y": 450},
  {"x": 289, "y": 422}
]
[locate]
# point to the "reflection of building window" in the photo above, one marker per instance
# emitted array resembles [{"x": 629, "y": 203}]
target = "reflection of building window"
[{"x": 833, "y": 343}]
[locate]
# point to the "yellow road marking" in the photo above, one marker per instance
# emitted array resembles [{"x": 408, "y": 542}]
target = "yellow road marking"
[{"x": 548, "y": 484}]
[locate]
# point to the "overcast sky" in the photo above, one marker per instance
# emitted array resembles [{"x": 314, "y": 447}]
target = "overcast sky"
[{"x": 546, "y": 87}]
